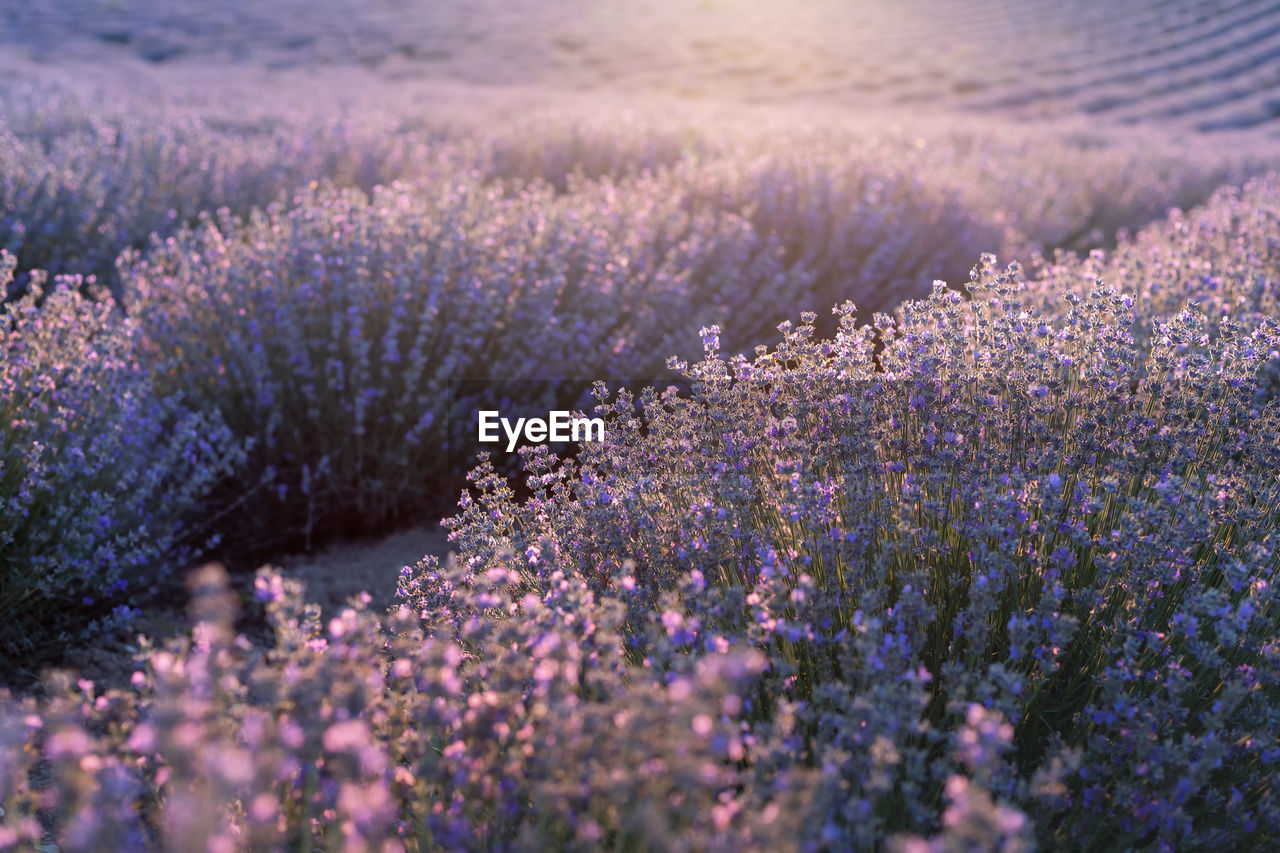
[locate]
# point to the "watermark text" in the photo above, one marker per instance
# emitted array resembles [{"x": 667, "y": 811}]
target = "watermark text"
[{"x": 559, "y": 425}]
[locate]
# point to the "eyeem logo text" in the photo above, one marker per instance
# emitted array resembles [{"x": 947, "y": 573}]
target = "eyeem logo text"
[{"x": 558, "y": 426}]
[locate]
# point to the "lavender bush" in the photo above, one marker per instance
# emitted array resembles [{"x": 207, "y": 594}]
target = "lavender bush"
[
  {"x": 330, "y": 335},
  {"x": 97, "y": 473},
  {"x": 442, "y": 730},
  {"x": 1223, "y": 255},
  {"x": 80, "y": 184},
  {"x": 1019, "y": 513}
]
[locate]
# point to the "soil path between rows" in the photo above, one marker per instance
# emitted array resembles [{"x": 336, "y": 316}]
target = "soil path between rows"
[{"x": 330, "y": 576}]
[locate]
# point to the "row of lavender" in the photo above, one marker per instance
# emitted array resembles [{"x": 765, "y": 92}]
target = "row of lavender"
[
  {"x": 80, "y": 183},
  {"x": 1007, "y": 582}
]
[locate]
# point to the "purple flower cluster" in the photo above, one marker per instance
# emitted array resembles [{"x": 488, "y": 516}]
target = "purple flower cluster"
[
  {"x": 1223, "y": 256},
  {"x": 98, "y": 473},
  {"x": 83, "y": 183},
  {"x": 505, "y": 718},
  {"x": 1049, "y": 538},
  {"x": 333, "y": 334}
]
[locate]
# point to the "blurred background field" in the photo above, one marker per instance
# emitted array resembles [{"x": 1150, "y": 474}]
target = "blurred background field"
[{"x": 1189, "y": 65}]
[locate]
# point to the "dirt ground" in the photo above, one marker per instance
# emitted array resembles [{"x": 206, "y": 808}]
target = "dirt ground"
[
  {"x": 330, "y": 577},
  {"x": 334, "y": 575}
]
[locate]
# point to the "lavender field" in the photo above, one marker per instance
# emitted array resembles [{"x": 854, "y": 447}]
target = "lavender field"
[{"x": 936, "y": 349}]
